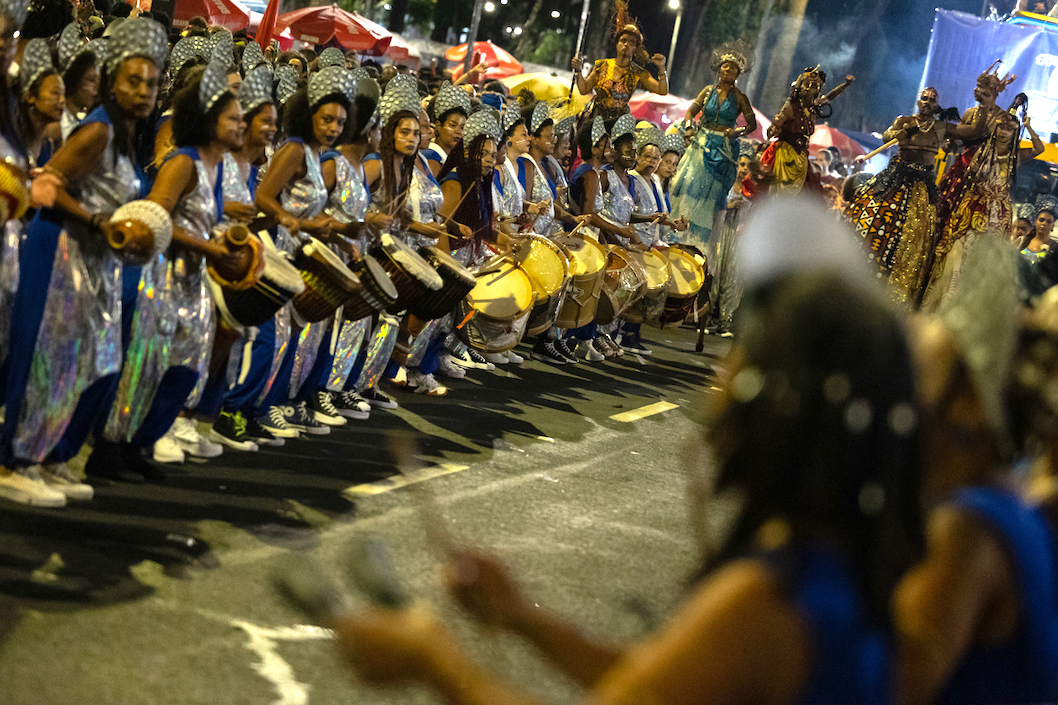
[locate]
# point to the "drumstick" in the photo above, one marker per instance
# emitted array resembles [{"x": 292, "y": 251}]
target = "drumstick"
[
  {"x": 446, "y": 218},
  {"x": 403, "y": 447}
]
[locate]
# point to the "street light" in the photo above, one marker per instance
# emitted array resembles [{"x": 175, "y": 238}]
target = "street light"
[
  {"x": 490, "y": 7},
  {"x": 678, "y": 7},
  {"x": 517, "y": 31},
  {"x": 555, "y": 14}
]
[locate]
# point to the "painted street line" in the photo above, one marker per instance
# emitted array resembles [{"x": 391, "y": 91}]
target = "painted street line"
[
  {"x": 644, "y": 411},
  {"x": 389, "y": 484}
]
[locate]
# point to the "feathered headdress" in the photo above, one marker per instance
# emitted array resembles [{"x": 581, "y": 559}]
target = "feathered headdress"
[
  {"x": 737, "y": 52},
  {"x": 624, "y": 23}
]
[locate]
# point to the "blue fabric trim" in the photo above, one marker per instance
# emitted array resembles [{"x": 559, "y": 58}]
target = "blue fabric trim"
[
  {"x": 329, "y": 155},
  {"x": 218, "y": 184},
  {"x": 497, "y": 181}
]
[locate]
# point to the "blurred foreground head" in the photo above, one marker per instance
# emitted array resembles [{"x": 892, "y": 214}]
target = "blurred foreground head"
[{"x": 817, "y": 427}]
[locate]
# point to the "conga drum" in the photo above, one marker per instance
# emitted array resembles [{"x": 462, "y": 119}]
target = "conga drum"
[
  {"x": 414, "y": 278},
  {"x": 587, "y": 264},
  {"x": 650, "y": 306},
  {"x": 278, "y": 283},
  {"x": 548, "y": 268},
  {"x": 377, "y": 292},
  {"x": 329, "y": 284},
  {"x": 458, "y": 282},
  {"x": 493, "y": 315},
  {"x": 623, "y": 283},
  {"x": 686, "y": 277}
]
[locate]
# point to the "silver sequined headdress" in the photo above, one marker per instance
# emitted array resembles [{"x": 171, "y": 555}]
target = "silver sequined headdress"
[
  {"x": 252, "y": 56},
  {"x": 214, "y": 83},
  {"x": 510, "y": 115},
  {"x": 401, "y": 94},
  {"x": 541, "y": 114},
  {"x": 185, "y": 50},
  {"x": 333, "y": 80},
  {"x": 137, "y": 37},
  {"x": 71, "y": 43},
  {"x": 673, "y": 143},
  {"x": 483, "y": 122},
  {"x": 256, "y": 89},
  {"x": 367, "y": 97},
  {"x": 598, "y": 130},
  {"x": 286, "y": 77},
  {"x": 649, "y": 135},
  {"x": 448, "y": 98},
  {"x": 36, "y": 61},
  {"x": 223, "y": 41},
  {"x": 624, "y": 125},
  {"x": 565, "y": 125},
  {"x": 331, "y": 56},
  {"x": 1045, "y": 202}
]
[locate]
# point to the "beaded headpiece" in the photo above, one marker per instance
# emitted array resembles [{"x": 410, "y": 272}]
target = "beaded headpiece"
[
  {"x": 36, "y": 61},
  {"x": 746, "y": 149},
  {"x": 183, "y": 52},
  {"x": 333, "y": 80},
  {"x": 331, "y": 56},
  {"x": 219, "y": 39},
  {"x": 1046, "y": 202},
  {"x": 649, "y": 135},
  {"x": 673, "y": 143},
  {"x": 624, "y": 125},
  {"x": 737, "y": 52},
  {"x": 367, "y": 95},
  {"x": 256, "y": 89},
  {"x": 991, "y": 80},
  {"x": 214, "y": 83},
  {"x": 598, "y": 130},
  {"x": 252, "y": 56},
  {"x": 483, "y": 122},
  {"x": 151, "y": 214},
  {"x": 541, "y": 114},
  {"x": 401, "y": 94},
  {"x": 71, "y": 43},
  {"x": 565, "y": 125},
  {"x": 287, "y": 83},
  {"x": 510, "y": 115},
  {"x": 16, "y": 10},
  {"x": 137, "y": 37},
  {"x": 450, "y": 97}
]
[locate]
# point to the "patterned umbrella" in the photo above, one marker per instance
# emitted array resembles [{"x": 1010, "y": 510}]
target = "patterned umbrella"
[{"x": 319, "y": 25}]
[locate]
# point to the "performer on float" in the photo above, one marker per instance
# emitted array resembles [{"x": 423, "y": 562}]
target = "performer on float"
[
  {"x": 42, "y": 102},
  {"x": 706, "y": 173},
  {"x": 294, "y": 193},
  {"x": 975, "y": 192},
  {"x": 894, "y": 212},
  {"x": 615, "y": 80},
  {"x": 785, "y": 161},
  {"x": 159, "y": 382},
  {"x": 448, "y": 112}
]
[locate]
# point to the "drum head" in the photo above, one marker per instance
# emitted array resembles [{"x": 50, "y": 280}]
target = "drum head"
[
  {"x": 381, "y": 278},
  {"x": 439, "y": 259},
  {"x": 545, "y": 264},
  {"x": 686, "y": 275},
  {"x": 343, "y": 276},
  {"x": 586, "y": 256},
  {"x": 656, "y": 268},
  {"x": 411, "y": 262},
  {"x": 505, "y": 292}
]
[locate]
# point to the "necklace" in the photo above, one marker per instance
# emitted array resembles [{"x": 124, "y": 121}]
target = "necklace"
[{"x": 925, "y": 126}]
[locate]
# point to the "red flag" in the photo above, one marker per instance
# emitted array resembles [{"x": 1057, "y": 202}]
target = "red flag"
[{"x": 268, "y": 24}]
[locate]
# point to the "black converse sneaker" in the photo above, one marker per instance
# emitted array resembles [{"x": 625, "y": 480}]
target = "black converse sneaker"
[
  {"x": 260, "y": 435},
  {"x": 230, "y": 430},
  {"x": 378, "y": 398},
  {"x": 276, "y": 424},
  {"x": 351, "y": 405},
  {"x": 545, "y": 351},
  {"x": 301, "y": 419},
  {"x": 564, "y": 351},
  {"x": 323, "y": 409}
]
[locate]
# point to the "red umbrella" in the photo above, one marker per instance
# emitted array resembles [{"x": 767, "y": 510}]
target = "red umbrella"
[
  {"x": 827, "y": 136},
  {"x": 403, "y": 53},
  {"x": 319, "y": 25},
  {"x": 501, "y": 63},
  {"x": 226, "y": 13}
]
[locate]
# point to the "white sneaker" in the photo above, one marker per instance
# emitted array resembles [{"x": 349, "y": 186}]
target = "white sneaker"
[
  {"x": 586, "y": 350},
  {"x": 167, "y": 450},
  {"x": 188, "y": 439},
  {"x": 58, "y": 476},
  {"x": 449, "y": 368},
  {"x": 26, "y": 487},
  {"x": 496, "y": 358},
  {"x": 400, "y": 379},
  {"x": 514, "y": 358},
  {"x": 425, "y": 384}
]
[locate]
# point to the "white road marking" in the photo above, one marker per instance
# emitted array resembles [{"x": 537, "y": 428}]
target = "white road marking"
[{"x": 262, "y": 641}]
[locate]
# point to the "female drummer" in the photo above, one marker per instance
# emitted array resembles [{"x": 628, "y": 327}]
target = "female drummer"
[
  {"x": 448, "y": 112},
  {"x": 294, "y": 193},
  {"x": 43, "y": 101},
  {"x": 156, "y": 386},
  {"x": 705, "y": 176},
  {"x": 71, "y": 288},
  {"x": 672, "y": 148},
  {"x": 615, "y": 80},
  {"x": 80, "y": 75}
]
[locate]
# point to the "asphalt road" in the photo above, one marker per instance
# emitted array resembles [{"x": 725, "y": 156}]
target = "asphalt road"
[{"x": 163, "y": 594}]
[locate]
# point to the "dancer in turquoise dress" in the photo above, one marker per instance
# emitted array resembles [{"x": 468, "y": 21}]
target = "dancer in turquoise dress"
[{"x": 707, "y": 172}]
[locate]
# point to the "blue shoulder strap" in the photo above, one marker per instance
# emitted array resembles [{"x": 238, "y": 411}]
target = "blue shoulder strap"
[
  {"x": 522, "y": 161},
  {"x": 550, "y": 183},
  {"x": 329, "y": 155},
  {"x": 252, "y": 182}
]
